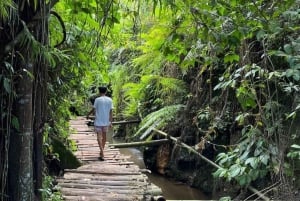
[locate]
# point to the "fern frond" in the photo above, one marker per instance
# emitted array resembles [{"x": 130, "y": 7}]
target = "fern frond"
[
  {"x": 27, "y": 41},
  {"x": 152, "y": 93},
  {"x": 158, "y": 119}
]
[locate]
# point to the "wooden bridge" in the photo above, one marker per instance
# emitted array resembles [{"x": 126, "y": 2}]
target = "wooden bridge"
[{"x": 115, "y": 179}]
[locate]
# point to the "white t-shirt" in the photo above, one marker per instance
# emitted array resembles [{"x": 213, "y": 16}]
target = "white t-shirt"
[{"x": 102, "y": 105}]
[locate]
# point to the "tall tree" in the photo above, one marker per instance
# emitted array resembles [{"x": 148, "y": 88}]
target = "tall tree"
[{"x": 23, "y": 44}]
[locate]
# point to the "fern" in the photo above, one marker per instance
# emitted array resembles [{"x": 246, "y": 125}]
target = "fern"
[
  {"x": 152, "y": 93},
  {"x": 158, "y": 119},
  {"x": 51, "y": 55}
]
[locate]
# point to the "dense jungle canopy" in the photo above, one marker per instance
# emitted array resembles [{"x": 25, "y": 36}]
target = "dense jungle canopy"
[{"x": 220, "y": 75}]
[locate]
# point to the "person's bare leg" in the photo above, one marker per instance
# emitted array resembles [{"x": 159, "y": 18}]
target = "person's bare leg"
[
  {"x": 100, "y": 140},
  {"x": 103, "y": 141}
]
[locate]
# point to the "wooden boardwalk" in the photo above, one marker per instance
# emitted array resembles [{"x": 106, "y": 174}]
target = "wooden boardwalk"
[{"x": 115, "y": 179}]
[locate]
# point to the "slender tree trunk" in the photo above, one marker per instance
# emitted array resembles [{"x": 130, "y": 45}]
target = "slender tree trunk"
[
  {"x": 20, "y": 158},
  {"x": 38, "y": 140},
  {"x": 40, "y": 101},
  {"x": 40, "y": 114}
]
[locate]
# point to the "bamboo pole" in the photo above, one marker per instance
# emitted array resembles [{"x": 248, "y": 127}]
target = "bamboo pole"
[
  {"x": 187, "y": 147},
  {"x": 137, "y": 144},
  {"x": 120, "y": 122},
  {"x": 257, "y": 192},
  {"x": 126, "y": 122}
]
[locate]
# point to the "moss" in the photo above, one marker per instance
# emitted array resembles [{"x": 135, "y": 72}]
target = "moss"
[{"x": 67, "y": 159}]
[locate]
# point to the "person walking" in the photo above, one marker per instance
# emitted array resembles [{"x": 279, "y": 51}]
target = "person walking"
[{"x": 102, "y": 109}]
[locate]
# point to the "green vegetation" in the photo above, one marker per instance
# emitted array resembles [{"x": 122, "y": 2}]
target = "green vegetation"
[{"x": 223, "y": 72}]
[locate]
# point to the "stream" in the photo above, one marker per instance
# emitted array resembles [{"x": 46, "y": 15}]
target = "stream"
[{"x": 172, "y": 190}]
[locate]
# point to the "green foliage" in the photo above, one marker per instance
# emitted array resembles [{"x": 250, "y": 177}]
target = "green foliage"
[
  {"x": 295, "y": 152},
  {"x": 251, "y": 159},
  {"x": 145, "y": 50},
  {"x": 151, "y": 94},
  {"x": 49, "y": 191},
  {"x": 5, "y": 5},
  {"x": 225, "y": 199},
  {"x": 158, "y": 119}
]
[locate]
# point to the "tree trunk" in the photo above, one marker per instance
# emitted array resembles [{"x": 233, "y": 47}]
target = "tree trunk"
[
  {"x": 20, "y": 153},
  {"x": 23, "y": 145},
  {"x": 40, "y": 102}
]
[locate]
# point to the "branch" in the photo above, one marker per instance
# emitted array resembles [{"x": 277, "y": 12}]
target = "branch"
[{"x": 61, "y": 22}]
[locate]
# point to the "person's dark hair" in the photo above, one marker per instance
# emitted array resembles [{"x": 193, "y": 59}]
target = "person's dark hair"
[{"x": 102, "y": 90}]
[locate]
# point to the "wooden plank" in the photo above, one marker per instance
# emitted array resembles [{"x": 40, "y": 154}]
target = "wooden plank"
[
  {"x": 101, "y": 183},
  {"x": 101, "y": 198},
  {"x": 95, "y": 177},
  {"x": 100, "y": 191}
]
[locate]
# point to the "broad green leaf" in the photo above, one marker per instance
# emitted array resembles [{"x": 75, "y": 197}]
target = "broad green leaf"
[
  {"x": 229, "y": 58},
  {"x": 234, "y": 170},
  {"x": 15, "y": 123},
  {"x": 6, "y": 84},
  {"x": 295, "y": 146},
  {"x": 264, "y": 158}
]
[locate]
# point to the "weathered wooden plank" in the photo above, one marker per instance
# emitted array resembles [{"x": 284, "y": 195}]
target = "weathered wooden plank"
[
  {"x": 102, "y": 172},
  {"x": 101, "y": 198},
  {"x": 101, "y": 191},
  {"x": 102, "y": 183},
  {"x": 106, "y": 186},
  {"x": 92, "y": 177}
]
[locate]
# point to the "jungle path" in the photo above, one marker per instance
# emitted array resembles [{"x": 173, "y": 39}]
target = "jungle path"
[{"x": 115, "y": 179}]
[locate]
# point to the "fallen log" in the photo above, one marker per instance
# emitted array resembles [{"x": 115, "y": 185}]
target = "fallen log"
[
  {"x": 191, "y": 149},
  {"x": 138, "y": 144}
]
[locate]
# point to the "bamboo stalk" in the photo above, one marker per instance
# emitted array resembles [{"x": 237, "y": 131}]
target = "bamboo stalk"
[
  {"x": 257, "y": 192},
  {"x": 137, "y": 144},
  {"x": 121, "y": 122},
  {"x": 126, "y": 122}
]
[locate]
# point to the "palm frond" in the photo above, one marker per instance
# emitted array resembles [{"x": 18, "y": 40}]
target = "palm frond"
[
  {"x": 27, "y": 41},
  {"x": 158, "y": 119}
]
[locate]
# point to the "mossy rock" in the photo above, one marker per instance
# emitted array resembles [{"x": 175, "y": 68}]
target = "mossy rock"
[{"x": 67, "y": 159}]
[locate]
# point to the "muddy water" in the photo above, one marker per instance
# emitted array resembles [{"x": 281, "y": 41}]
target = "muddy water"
[{"x": 171, "y": 190}]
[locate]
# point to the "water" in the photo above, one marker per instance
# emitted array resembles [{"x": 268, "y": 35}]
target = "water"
[{"x": 172, "y": 190}]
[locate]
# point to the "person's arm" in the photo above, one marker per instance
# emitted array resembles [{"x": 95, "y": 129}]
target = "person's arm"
[
  {"x": 110, "y": 117},
  {"x": 91, "y": 112}
]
